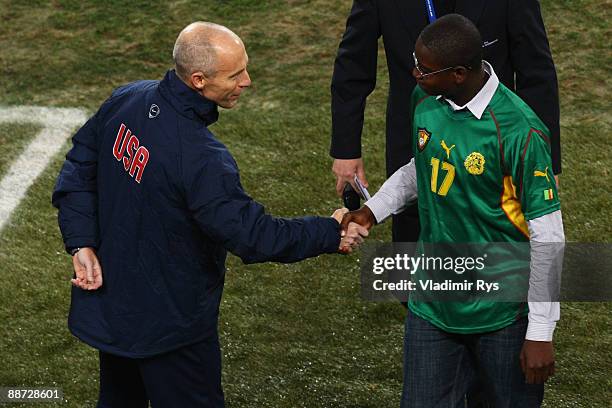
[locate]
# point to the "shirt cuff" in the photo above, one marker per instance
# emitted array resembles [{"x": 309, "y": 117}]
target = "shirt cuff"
[
  {"x": 379, "y": 208},
  {"x": 538, "y": 331}
]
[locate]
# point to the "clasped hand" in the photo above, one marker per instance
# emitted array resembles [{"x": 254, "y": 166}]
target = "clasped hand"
[{"x": 352, "y": 233}]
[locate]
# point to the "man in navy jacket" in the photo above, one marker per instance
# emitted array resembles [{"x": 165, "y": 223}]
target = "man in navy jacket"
[{"x": 151, "y": 196}]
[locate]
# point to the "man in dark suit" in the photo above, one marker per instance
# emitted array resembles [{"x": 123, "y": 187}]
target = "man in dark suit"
[{"x": 515, "y": 44}]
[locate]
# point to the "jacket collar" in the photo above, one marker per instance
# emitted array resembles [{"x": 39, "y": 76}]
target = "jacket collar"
[{"x": 186, "y": 101}]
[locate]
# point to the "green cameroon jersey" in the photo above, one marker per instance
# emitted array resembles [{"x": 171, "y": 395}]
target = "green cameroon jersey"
[{"x": 479, "y": 181}]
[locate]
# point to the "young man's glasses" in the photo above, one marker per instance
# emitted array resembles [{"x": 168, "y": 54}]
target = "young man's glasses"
[{"x": 424, "y": 74}]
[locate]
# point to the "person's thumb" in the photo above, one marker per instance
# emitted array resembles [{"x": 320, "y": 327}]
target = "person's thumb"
[
  {"x": 339, "y": 214},
  {"x": 344, "y": 225}
]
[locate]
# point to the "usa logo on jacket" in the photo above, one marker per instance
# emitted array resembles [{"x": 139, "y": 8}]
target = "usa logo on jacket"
[{"x": 127, "y": 149}]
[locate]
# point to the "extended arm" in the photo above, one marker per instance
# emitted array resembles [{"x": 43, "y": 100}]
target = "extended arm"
[{"x": 229, "y": 216}]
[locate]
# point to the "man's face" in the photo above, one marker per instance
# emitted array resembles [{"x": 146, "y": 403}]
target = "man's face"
[
  {"x": 231, "y": 78},
  {"x": 440, "y": 83}
]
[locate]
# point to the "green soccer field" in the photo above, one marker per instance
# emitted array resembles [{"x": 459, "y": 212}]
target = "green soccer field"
[{"x": 292, "y": 335}]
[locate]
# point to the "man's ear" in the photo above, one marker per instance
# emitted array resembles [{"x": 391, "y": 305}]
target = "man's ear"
[
  {"x": 460, "y": 74},
  {"x": 198, "y": 80}
]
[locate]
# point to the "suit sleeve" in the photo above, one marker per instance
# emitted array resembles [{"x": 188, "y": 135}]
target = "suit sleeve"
[
  {"x": 354, "y": 78},
  {"x": 75, "y": 192},
  {"x": 226, "y": 214},
  {"x": 536, "y": 77}
]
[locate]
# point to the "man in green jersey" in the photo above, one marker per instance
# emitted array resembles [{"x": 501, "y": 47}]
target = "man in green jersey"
[{"x": 482, "y": 172}]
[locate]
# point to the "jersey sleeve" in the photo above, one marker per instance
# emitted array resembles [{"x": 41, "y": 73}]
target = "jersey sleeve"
[
  {"x": 229, "y": 216},
  {"x": 531, "y": 168},
  {"x": 418, "y": 95}
]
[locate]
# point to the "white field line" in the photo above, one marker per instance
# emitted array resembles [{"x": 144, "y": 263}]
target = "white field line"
[{"x": 58, "y": 124}]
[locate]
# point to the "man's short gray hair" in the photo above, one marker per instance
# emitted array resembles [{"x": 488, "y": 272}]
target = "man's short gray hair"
[{"x": 194, "y": 51}]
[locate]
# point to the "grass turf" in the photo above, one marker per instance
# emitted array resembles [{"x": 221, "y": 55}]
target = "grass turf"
[{"x": 292, "y": 335}]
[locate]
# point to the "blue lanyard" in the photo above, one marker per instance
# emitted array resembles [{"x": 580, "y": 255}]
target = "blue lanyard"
[{"x": 431, "y": 11}]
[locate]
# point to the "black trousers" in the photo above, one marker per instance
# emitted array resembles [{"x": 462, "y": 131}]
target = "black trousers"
[{"x": 187, "y": 377}]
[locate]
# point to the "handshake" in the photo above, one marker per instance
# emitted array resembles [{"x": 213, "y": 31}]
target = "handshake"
[{"x": 355, "y": 227}]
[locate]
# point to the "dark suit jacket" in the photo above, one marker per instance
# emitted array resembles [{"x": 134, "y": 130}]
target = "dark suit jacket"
[{"x": 518, "y": 51}]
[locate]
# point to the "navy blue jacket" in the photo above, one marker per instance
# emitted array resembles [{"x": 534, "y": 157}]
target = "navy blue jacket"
[{"x": 149, "y": 186}]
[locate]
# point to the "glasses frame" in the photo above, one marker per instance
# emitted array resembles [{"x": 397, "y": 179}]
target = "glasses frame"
[{"x": 428, "y": 74}]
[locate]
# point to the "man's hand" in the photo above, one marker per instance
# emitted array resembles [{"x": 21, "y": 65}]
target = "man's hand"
[
  {"x": 352, "y": 238},
  {"x": 557, "y": 180},
  {"x": 339, "y": 214},
  {"x": 345, "y": 171},
  {"x": 362, "y": 216},
  {"x": 537, "y": 361},
  {"x": 87, "y": 270},
  {"x": 352, "y": 235}
]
